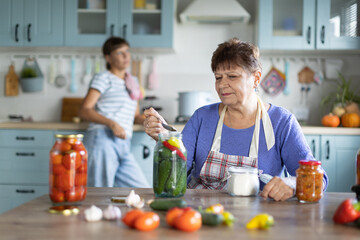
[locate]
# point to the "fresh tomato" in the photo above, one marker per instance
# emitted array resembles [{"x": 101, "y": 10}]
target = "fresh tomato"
[
  {"x": 188, "y": 221},
  {"x": 147, "y": 222},
  {"x": 62, "y": 146},
  {"x": 56, "y": 195},
  {"x": 131, "y": 216},
  {"x": 58, "y": 169},
  {"x": 65, "y": 181},
  {"x": 71, "y": 160},
  {"x": 172, "y": 214},
  {"x": 71, "y": 141},
  {"x": 80, "y": 179},
  {"x": 56, "y": 158}
]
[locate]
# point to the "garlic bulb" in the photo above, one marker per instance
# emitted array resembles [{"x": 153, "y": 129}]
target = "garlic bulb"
[
  {"x": 133, "y": 200},
  {"x": 93, "y": 214},
  {"x": 112, "y": 213}
]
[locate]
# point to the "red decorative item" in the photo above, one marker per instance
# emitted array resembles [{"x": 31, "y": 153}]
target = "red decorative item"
[{"x": 274, "y": 82}]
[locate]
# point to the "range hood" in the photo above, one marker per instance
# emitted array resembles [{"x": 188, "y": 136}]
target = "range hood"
[{"x": 214, "y": 11}]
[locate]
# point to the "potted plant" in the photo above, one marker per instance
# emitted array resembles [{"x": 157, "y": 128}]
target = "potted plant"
[
  {"x": 31, "y": 77},
  {"x": 345, "y": 99}
]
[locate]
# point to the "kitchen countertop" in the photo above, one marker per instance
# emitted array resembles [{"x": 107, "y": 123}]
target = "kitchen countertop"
[
  {"x": 293, "y": 220},
  {"x": 82, "y": 126}
]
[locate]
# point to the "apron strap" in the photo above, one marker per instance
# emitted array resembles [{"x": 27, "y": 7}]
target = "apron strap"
[{"x": 217, "y": 139}]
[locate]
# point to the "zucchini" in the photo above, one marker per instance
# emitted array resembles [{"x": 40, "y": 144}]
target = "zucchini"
[
  {"x": 166, "y": 204},
  {"x": 211, "y": 219}
]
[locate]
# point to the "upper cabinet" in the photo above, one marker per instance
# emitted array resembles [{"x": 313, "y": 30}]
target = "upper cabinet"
[
  {"x": 308, "y": 24},
  {"x": 31, "y": 23},
  {"x": 142, "y": 23}
]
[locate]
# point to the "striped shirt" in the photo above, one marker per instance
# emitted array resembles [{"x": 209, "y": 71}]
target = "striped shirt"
[{"x": 114, "y": 102}]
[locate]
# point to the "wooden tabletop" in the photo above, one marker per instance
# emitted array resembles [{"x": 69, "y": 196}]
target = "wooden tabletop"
[{"x": 293, "y": 220}]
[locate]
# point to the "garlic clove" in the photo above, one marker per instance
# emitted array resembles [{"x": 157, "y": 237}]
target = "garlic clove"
[
  {"x": 139, "y": 204},
  {"x": 93, "y": 214},
  {"x": 112, "y": 213},
  {"x": 132, "y": 198}
]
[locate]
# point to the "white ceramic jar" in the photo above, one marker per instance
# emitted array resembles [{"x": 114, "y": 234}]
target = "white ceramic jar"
[{"x": 243, "y": 181}]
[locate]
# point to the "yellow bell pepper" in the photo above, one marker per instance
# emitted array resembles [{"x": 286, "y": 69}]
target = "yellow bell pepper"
[
  {"x": 174, "y": 141},
  {"x": 261, "y": 221},
  {"x": 228, "y": 218}
]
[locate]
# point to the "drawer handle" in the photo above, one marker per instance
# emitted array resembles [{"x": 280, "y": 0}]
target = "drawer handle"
[
  {"x": 146, "y": 152},
  {"x": 327, "y": 149},
  {"x": 16, "y": 32},
  {"x": 25, "y": 190},
  {"x": 322, "y": 34},
  {"x": 25, "y": 138},
  {"x": 308, "y": 35},
  {"x": 25, "y": 154},
  {"x": 28, "y": 33},
  {"x": 313, "y": 147}
]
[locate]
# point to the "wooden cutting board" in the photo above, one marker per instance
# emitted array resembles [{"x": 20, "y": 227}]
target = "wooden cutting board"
[
  {"x": 11, "y": 82},
  {"x": 70, "y": 108}
]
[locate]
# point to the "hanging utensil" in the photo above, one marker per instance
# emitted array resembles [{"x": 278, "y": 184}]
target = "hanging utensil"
[
  {"x": 88, "y": 66},
  {"x": 73, "y": 85},
  {"x": 52, "y": 71},
  {"x": 97, "y": 65},
  {"x": 287, "y": 81},
  {"x": 60, "y": 80},
  {"x": 153, "y": 78},
  {"x": 11, "y": 82}
]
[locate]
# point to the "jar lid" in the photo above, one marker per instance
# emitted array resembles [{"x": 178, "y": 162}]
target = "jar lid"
[
  {"x": 69, "y": 135},
  {"x": 243, "y": 170},
  {"x": 310, "y": 162},
  {"x": 64, "y": 210}
]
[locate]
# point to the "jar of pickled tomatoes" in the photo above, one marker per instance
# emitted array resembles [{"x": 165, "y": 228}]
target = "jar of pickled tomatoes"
[
  {"x": 309, "y": 181},
  {"x": 68, "y": 169}
]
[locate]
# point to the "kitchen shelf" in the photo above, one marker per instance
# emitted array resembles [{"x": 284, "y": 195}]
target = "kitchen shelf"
[{"x": 91, "y": 11}]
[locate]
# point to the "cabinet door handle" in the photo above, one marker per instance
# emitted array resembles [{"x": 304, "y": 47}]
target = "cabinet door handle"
[
  {"x": 327, "y": 149},
  {"x": 124, "y": 31},
  {"x": 112, "y": 30},
  {"x": 25, "y": 138},
  {"x": 24, "y": 154},
  {"x": 146, "y": 152},
  {"x": 25, "y": 190},
  {"x": 322, "y": 34},
  {"x": 28, "y": 32},
  {"x": 16, "y": 32},
  {"x": 313, "y": 147},
  {"x": 308, "y": 35}
]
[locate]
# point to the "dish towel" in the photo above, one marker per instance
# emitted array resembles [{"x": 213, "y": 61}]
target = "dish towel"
[{"x": 133, "y": 87}]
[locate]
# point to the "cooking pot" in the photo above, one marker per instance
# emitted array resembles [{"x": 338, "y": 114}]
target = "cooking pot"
[{"x": 190, "y": 101}]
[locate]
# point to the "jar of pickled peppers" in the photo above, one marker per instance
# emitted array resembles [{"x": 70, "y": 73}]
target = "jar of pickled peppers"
[
  {"x": 169, "y": 175},
  {"x": 68, "y": 169},
  {"x": 309, "y": 181}
]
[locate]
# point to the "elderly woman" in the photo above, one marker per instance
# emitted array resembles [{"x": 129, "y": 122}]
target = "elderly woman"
[{"x": 241, "y": 130}]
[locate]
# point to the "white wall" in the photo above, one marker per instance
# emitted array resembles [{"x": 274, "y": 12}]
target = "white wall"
[{"x": 187, "y": 69}]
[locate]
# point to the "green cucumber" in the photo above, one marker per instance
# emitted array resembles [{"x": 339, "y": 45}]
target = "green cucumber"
[
  {"x": 211, "y": 219},
  {"x": 166, "y": 204},
  {"x": 163, "y": 172}
]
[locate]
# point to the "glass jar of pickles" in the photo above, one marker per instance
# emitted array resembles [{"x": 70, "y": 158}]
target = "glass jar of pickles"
[
  {"x": 170, "y": 176},
  {"x": 68, "y": 169},
  {"x": 309, "y": 181}
]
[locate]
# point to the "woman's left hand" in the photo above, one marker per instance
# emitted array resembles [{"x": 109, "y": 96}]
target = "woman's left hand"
[{"x": 277, "y": 190}]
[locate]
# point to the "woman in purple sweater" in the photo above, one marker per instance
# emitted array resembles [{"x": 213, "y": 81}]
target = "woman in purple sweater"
[{"x": 241, "y": 130}]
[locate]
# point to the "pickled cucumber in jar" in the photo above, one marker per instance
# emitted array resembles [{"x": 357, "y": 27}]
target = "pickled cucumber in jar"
[{"x": 169, "y": 173}]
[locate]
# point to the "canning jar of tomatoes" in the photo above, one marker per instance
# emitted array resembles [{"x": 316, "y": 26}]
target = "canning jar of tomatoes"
[
  {"x": 169, "y": 173},
  {"x": 68, "y": 169},
  {"x": 309, "y": 181}
]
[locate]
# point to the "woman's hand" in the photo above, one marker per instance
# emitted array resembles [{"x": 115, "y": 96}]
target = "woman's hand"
[
  {"x": 117, "y": 130},
  {"x": 277, "y": 190},
  {"x": 152, "y": 123}
]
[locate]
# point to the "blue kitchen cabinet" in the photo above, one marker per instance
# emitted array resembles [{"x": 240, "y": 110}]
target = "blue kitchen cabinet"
[
  {"x": 337, "y": 155},
  {"x": 24, "y": 165},
  {"x": 90, "y": 26},
  {"x": 308, "y": 24},
  {"x": 142, "y": 147},
  {"x": 31, "y": 23},
  {"x": 147, "y": 28}
]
